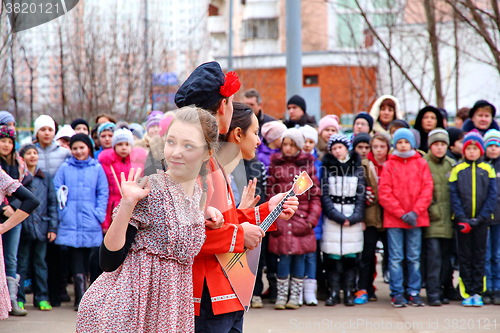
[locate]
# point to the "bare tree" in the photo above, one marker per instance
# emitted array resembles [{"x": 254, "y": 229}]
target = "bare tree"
[
  {"x": 388, "y": 50},
  {"x": 486, "y": 24},
  {"x": 12, "y": 60},
  {"x": 31, "y": 67},
  {"x": 433, "y": 40},
  {"x": 62, "y": 74}
]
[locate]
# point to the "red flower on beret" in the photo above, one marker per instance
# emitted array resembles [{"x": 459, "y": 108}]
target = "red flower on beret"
[{"x": 231, "y": 84}]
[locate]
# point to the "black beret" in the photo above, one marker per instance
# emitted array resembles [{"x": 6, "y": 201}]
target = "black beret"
[{"x": 202, "y": 87}]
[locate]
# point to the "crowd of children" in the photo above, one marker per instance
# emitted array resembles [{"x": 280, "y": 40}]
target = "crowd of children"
[{"x": 429, "y": 194}]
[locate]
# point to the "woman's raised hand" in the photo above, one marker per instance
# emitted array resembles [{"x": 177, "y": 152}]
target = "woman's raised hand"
[
  {"x": 132, "y": 189},
  {"x": 248, "y": 197}
]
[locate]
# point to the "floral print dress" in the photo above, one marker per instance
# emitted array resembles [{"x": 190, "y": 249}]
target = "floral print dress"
[
  {"x": 152, "y": 291},
  {"x": 7, "y": 187}
]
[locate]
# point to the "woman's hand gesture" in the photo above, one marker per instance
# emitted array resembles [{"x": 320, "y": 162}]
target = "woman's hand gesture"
[
  {"x": 248, "y": 197},
  {"x": 132, "y": 189}
]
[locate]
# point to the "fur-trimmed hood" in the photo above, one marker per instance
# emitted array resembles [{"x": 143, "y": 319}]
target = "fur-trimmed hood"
[{"x": 375, "y": 112}]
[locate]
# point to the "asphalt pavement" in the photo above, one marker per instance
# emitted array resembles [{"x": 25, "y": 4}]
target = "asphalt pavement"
[{"x": 374, "y": 317}]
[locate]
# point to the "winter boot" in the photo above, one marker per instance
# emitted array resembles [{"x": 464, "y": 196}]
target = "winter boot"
[
  {"x": 334, "y": 288},
  {"x": 282, "y": 295},
  {"x": 301, "y": 296},
  {"x": 349, "y": 283},
  {"x": 79, "y": 282},
  {"x": 13, "y": 285},
  {"x": 310, "y": 287},
  {"x": 348, "y": 297},
  {"x": 295, "y": 293},
  {"x": 496, "y": 297},
  {"x": 488, "y": 297},
  {"x": 273, "y": 287}
]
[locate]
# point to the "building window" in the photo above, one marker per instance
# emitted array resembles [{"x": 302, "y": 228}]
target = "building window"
[
  {"x": 260, "y": 29},
  {"x": 311, "y": 80}
]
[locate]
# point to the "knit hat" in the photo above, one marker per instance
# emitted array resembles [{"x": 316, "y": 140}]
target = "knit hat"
[
  {"x": 473, "y": 137},
  {"x": 491, "y": 137},
  {"x": 206, "y": 86},
  {"x": 330, "y": 120},
  {"x": 481, "y": 104},
  {"x": 404, "y": 133},
  {"x": 360, "y": 137},
  {"x": 297, "y": 100},
  {"x": 165, "y": 124},
  {"x": 155, "y": 114},
  {"x": 137, "y": 130},
  {"x": 337, "y": 138},
  {"x": 273, "y": 130},
  {"x": 438, "y": 135},
  {"x": 44, "y": 121},
  {"x": 24, "y": 149},
  {"x": 7, "y": 132},
  {"x": 400, "y": 123},
  {"x": 154, "y": 119},
  {"x": 455, "y": 134},
  {"x": 65, "y": 131},
  {"x": 122, "y": 135},
  {"x": 6, "y": 117},
  {"x": 309, "y": 132},
  {"x": 80, "y": 121},
  {"x": 105, "y": 127},
  {"x": 365, "y": 116},
  {"x": 296, "y": 136},
  {"x": 83, "y": 138}
]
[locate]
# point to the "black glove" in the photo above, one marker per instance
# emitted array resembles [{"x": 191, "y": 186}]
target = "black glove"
[
  {"x": 475, "y": 221},
  {"x": 410, "y": 218}
]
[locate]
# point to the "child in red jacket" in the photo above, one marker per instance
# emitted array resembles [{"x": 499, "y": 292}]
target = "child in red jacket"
[
  {"x": 117, "y": 159},
  {"x": 405, "y": 193}
]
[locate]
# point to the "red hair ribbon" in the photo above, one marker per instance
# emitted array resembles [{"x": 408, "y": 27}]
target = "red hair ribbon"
[{"x": 231, "y": 84}]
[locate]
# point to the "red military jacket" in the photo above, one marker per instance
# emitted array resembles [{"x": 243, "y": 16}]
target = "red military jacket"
[{"x": 228, "y": 238}]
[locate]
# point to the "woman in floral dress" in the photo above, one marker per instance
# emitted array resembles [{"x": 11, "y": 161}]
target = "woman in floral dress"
[
  {"x": 157, "y": 230},
  {"x": 9, "y": 186}
]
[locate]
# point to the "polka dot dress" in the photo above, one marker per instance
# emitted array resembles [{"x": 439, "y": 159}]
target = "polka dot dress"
[{"x": 152, "y": 291}]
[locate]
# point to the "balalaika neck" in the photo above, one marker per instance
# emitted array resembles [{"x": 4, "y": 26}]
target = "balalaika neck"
[{"x": 269, "y": 220}]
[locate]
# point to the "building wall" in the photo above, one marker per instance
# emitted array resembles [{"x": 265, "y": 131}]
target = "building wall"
[{"x": 344, "y": 89}]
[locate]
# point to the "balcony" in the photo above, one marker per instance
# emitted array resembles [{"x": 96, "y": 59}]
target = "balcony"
[{"x": 217, "y": 24}]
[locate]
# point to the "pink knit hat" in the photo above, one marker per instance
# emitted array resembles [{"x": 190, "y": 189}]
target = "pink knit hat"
[
  {"x": 328, "y": 121},
  {"x": 273, "y": 130}
]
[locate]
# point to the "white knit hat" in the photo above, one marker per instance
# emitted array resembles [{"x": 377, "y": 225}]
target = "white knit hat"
[
  {"x": 310, "y": 132},
  {"x": 65, "y": 131},
  {"x": 273, "y": 130},
  {"x": 44, "y": 121},
  {"x": 296, "y": 136},
  {"x": 122, "y": 135}
]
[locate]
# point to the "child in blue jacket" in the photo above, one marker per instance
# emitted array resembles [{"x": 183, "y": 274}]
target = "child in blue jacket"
[{"x": 82, "y": 191}]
